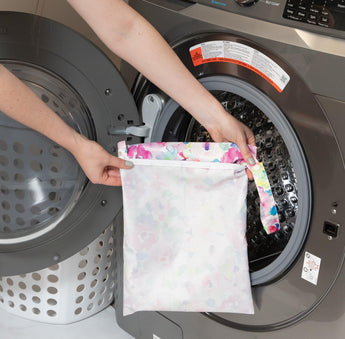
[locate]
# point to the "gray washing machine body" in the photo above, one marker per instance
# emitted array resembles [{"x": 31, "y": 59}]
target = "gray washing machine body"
[
  {"x": 304, "y": 122},
  {"x": 48, "y": 209}
]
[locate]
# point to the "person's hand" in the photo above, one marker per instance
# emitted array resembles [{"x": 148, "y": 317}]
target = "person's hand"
[
  {"x": 98, "y": 165},
  {"x": 227, "y": 128}
]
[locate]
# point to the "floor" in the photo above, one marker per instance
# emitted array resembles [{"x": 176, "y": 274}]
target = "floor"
[{"x": 100, "y": 326}]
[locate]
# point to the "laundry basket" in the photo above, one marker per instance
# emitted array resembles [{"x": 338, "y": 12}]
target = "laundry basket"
[{"x": 70, "y": 291}]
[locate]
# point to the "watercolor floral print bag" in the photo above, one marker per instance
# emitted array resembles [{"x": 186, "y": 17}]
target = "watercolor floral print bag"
[{"x": 184, "y": 227}]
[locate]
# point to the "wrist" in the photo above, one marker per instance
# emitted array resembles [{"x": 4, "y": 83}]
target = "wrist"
[
  {"x": 74, "y": 142},
  {"x": 212, "y": 117}
]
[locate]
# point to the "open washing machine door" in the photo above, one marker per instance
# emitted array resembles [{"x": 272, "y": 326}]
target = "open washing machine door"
[
  {"x": 48, "y": 208},
  {"x": 297, "y": 146}
]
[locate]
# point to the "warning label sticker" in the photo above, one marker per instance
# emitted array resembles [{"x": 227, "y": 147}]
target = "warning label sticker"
[
  {"x": 243, "y": 55},
  {"x": 311, "y": 268}
]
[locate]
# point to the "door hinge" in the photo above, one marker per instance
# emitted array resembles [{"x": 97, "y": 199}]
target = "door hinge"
[{"x": 151, "y": 109}]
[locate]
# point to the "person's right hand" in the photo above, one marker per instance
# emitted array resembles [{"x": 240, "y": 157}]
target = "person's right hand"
[
  {"x": 98, "y": 165},
  {"x": 226, "y": 128},
  {"x": 235, "y": 131}
]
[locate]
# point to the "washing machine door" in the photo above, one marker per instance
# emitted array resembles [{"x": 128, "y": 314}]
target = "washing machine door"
[
  {"x": 300, "y": 153},
  {"x": 48, "y": 208}
]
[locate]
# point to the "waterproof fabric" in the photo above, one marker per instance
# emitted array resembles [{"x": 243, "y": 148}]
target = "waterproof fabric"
[{"x": 184, "y": 228}]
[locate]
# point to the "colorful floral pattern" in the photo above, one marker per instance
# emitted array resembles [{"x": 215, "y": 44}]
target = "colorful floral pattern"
[
  {"x": 268, "y": 209},
  {"x": 211, "y": 152},
  {"x": 184, "y": 228}
]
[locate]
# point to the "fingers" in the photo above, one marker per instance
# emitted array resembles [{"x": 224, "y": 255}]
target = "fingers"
[
  {"x": 246, "y": 153},
  {"x": 112, "y": 181},
  {"x": 248, "y": 157},
  {"x": 251, "y": 139},
  {"x": 249, "y": 174},
  {"x": 111, "y": 177}
]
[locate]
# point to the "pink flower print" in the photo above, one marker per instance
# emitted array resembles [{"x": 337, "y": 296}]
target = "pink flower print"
[
  {"x": 232, "y": 155},
  {"x": 272, "y": 228},
  {"x": 186, "y": 154},
  {"x": 182, "y": 156},
  {"x": 131, "y": 151},
  {"x": 138, "y": 152}
]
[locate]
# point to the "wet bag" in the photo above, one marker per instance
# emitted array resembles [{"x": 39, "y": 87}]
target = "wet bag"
[{"x": 184, "y": 227}]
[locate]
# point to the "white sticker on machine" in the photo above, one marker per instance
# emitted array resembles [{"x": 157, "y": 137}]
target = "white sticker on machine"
[
  {"x": 311, "y": 268},
  {"x": 243, "y": 55}
]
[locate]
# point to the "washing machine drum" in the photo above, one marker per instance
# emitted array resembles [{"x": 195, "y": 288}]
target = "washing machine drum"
[
  {"x": 280, "y": 151},
  {"x": 263, "y": 249},
  {"x": 48, "y": 208},
  {"x": 40, "y": 181}
]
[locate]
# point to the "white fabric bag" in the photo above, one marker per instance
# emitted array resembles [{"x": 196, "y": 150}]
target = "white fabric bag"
[{"x": 184, "y": 236}]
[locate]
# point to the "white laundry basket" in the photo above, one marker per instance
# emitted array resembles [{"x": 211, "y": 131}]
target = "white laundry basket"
[{"x": 70, "y": 291}]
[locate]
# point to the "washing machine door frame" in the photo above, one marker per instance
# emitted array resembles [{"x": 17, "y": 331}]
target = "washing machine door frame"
[
  {"x": 32, "y": 40},
  {"x": 316, "y": 137}
]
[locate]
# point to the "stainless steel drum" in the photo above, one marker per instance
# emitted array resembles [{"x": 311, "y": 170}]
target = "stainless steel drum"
[
  {"x": 272, "y": 151},
  {"x": 40, "y": 181}
]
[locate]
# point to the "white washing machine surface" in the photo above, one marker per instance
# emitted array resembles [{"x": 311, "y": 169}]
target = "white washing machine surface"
[{"x": 101, "y": 325}]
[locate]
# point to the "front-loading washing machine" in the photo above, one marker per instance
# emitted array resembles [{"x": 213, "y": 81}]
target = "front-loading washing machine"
[
  {"x": 281, "y": 76},
  {"x": 278, "y": 66},
  {"x": 48, "y": 209}
]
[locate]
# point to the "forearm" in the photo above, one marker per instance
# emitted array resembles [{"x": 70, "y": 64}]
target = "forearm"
[
  {"x": 20, "y": 103},
  {"x": 132, "y": 38}
]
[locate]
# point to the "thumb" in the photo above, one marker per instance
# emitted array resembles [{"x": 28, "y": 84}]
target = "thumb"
[
  {"x": 248, "y": 158},
  {"x": 120, "y": 163},
  {"x": 247, "y": 154}
]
